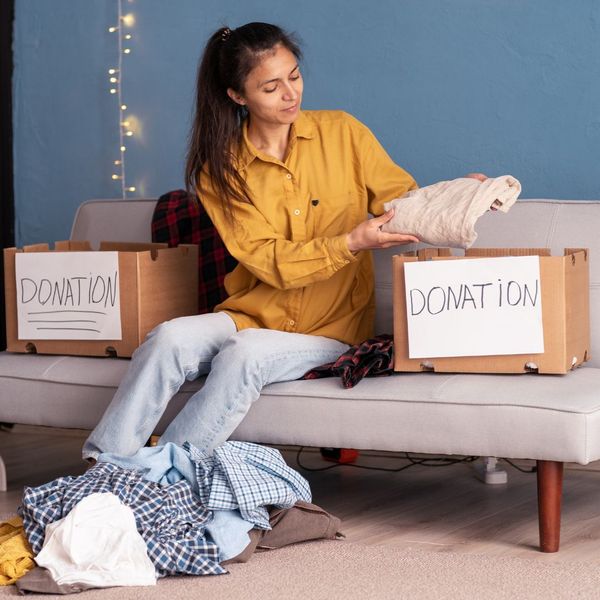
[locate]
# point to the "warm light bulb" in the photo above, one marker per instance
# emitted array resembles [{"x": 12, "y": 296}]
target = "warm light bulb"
[
  {"x": 128, "y": 20},
  {"x": 117, "y": 162},
  {"x": 113, "y": 80},
  {"x": 123, "y": 148},
  {"x": 112, "y": 71},
  {"x": 115, "y": 176},
  {"x": 127, "y": 51},
  {"x": 123, "y": 106},
  {"x": 128, "y": 36},
  {"x": 131, "y": 189},
  {"x": 113, "y": 91},
  {"x": 125, "y": 123},
  {"x": 129, "y": 133},
  {"x": 112, "y": 29}
]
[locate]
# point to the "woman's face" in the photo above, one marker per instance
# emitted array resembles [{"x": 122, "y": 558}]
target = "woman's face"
[{"x": 273, "y": 89}]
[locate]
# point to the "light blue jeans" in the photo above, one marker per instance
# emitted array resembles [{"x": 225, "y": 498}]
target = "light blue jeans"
[{"x": 238, "y": 364}]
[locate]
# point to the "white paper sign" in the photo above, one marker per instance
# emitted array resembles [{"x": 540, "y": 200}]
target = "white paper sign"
[
  {"x": 68, "y": 296},
  {"x": 476, "y": 307}
]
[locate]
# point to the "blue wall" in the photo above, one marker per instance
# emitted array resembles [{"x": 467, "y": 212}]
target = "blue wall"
[{"x": 448, "y": 86}]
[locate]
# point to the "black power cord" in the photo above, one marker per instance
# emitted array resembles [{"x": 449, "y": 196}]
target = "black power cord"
[
  {"x": 512, "y": 464},
  {"x": 426, "y": 462}
]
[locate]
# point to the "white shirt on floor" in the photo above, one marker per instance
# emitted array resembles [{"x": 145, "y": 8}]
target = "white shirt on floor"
[{"x": 97, "y": 543}]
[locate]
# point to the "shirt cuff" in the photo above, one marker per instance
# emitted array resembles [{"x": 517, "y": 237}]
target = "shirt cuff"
[{"x": 339, "y": 252}]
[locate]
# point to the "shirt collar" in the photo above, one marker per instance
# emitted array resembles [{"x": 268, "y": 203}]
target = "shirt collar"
[{"x": 302, "y": 127}]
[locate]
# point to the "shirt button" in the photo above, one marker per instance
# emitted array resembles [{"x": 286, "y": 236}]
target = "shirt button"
[
  {"x": 292, "y": 322},
  {"x": 288, "y": 176},
  {"x": 297, "y": 212}
]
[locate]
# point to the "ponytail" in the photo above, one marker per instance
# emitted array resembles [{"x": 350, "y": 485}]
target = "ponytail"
[{"x": 216, "y": 133}]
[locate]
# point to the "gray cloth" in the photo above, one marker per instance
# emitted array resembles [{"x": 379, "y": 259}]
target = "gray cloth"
[
  {"x": 301, "y": 523},
  {"x": 39, "y": 581}
]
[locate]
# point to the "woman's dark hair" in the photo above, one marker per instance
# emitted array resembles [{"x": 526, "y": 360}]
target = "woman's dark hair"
[{"x": 228, "y": 58}]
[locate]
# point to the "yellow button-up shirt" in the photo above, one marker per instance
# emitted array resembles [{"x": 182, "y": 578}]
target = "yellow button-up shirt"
[{"x": 295, "y": 271}]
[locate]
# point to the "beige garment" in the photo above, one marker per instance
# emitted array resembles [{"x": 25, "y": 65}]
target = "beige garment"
[{"x": 445, "y": 213}]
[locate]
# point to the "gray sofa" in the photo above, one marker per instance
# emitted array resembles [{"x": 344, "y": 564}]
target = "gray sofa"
[{"x": 550, "y": 418}]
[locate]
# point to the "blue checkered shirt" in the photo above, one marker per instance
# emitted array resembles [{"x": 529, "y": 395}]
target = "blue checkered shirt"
[
  {"x": 248, "y": 477},
  {"x": 169, "y": 518}
]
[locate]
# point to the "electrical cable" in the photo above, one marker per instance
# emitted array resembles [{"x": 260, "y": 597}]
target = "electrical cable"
[
  {"x": 426, "y": 462},
  {"x": 512, "y": 464}
]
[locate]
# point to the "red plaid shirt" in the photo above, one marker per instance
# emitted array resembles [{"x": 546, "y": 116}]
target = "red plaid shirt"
[{"x": 178, "y": 219}]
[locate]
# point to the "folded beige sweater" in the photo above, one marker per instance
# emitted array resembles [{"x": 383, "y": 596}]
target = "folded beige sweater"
[{"x": 444, "y": 214}]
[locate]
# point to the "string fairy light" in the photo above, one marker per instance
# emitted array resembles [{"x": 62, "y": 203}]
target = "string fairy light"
[{"x": 116, "y": 79}]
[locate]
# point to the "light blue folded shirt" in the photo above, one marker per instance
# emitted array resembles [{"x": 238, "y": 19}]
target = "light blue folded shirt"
[
  {"x": 229, "y": 532},
  {"x": 164, "y": 464}
]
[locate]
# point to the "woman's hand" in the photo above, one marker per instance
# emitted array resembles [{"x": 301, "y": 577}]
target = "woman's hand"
[
  {"x": 368, "y": 235},
  {"x": 479, "y": 176}
]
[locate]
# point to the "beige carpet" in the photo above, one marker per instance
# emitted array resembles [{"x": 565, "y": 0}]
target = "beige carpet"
[{"x": 345, "y": 571}]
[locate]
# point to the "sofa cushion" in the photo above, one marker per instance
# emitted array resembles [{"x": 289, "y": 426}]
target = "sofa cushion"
[{"x": 520, "y": 416}]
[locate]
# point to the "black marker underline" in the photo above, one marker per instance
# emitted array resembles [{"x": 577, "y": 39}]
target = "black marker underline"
[
  {"x": 67, "y": 321},
  {"x": 69, "y": 329},
  {"x": 47, "y": 312}
]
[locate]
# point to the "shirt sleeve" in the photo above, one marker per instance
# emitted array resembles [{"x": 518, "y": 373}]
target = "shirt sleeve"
[
  {"x": 267, "y": 254},
  {"x": 383, "y": 178}
]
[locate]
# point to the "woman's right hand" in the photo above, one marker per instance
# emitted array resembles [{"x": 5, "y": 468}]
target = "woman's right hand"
[{"x": 368, "y": 235}]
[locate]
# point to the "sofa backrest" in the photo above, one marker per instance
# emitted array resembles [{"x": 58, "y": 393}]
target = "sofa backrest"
[
  {"x": 553, "y": 224},
  {"x": 113, "y": 221}
]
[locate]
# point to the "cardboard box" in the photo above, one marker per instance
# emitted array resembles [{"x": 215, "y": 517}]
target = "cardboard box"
[
  {"x": 565, "y": 315},
  {"x": 156, "y": 283}
]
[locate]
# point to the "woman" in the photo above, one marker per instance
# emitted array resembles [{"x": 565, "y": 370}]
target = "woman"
[{"x": 289, "y": 192}]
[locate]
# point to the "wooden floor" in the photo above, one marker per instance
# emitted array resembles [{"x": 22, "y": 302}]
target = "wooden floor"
[{"x": 434, "y": 508}]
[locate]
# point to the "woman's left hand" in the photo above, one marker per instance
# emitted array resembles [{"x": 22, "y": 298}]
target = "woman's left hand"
[
  {"x": 481, "y": 177},
  {"x": 368, "y": 235}
]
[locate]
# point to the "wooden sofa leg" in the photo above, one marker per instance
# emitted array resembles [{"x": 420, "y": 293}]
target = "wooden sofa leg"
[
  {"x": 2, "y": 476},
  {"x": 549, "y": 485}
]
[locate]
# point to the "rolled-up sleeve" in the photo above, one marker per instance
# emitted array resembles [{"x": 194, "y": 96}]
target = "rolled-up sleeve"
[{"x": 383, "y": 178}]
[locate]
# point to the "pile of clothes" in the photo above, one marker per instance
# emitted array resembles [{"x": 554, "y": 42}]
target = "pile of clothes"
[{"x": 167, "y": 510}]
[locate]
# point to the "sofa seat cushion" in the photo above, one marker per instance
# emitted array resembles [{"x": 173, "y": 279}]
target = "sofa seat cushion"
[
  {"x": 548, "y": 417},
  {"x": 545, "y": 417}
]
